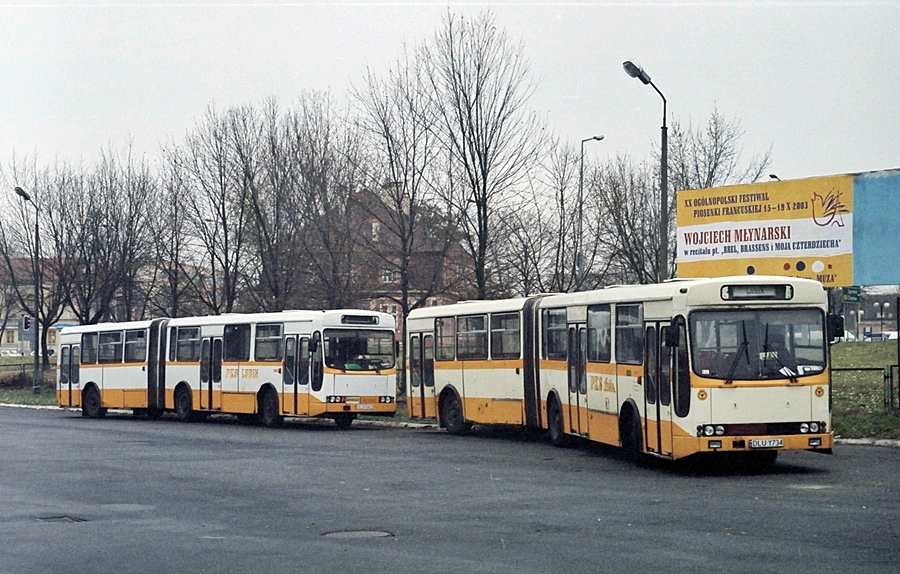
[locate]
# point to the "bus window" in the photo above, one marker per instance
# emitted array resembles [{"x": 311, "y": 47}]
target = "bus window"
[
  {"x": 505, "y": 336},
  {"x": 110, "y": 348},
  {"x": 268, "y": 343},
  {"x": 89, "y": 344},
  {"x": 290, "y": 360},
  {"x": 65, "y": 361},
  {"x": 237, "y": 343},
  {"x": 629, "y": 331},
  {"x": 415, "y": 362},
  {"x": 318, "y": 373},
  {"x": 136, "y": 346},
  {"x": 650, "y": 378},
  {"x": 471, "y": 337},
  {"x": 187, "y": 344},
  {"x": 682, "y": 385},
  {"x": 303, "y": 362},
  {"x": 554, "y": 334},
  {"x": 359, "y": 349},
  {"x": 445, "y": 333},
  {"x": 599, "y": 326}
]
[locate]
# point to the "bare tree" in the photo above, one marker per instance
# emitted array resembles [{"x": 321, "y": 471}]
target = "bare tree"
[
  {"x": 408, "y": 222},
  {"x": 480, "y": 84},
  {"x": 29, "y": 258},
  {"x": 627, "y": 201},
  {"x": 174, "y": 273},
  {"x": 327, "y": 159},
  {"x": 711, "y": 155},
  {"x": 217, "y": 207}
]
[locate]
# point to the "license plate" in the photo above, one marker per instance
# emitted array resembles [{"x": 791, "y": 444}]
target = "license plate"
[
  {"x": 767, "y": 443},
  {"x": 365, "y": 407}
]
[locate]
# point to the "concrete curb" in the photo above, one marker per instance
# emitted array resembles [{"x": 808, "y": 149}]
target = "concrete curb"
[{"x": 847, "y": 441}]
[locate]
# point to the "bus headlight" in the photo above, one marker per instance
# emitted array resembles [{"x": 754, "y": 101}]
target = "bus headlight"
[
  {"x": 708, "y": 430},
  {"x": 804, "y": 428},
  {"x": 813, "y": 427},
  {"x": 720, "y": 430}
]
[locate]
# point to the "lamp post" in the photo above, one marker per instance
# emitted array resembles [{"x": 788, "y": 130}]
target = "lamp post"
[
  {"x": 636, "y": 71},
  {"x": 579, "y": 262},
  {"x": 38, "y": 375}
]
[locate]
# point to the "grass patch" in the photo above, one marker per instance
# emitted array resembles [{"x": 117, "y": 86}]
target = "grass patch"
[{"x": 859, "y": 396}]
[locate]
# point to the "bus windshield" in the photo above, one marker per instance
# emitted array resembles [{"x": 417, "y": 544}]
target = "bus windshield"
[
  {"x": 359, "y": 349},
  {"x": 757, "y": 344}
]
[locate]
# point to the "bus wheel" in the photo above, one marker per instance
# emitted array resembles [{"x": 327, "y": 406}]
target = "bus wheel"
[
  {"x": 761, "y": 461},
  {"x": 184, "y": 404},
  {"x": 632, "y": 438},
  {"x": 154, "y": 414},
  {"x": 452, "y": 415},
  {"x": 269, "y": 414},
  {"x": 344, "y": 420},
  {"x": 558, "y": 436},
  {"x": 91, "y": 404}
]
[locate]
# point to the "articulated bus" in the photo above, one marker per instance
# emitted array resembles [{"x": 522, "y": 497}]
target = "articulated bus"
[
  {"x": 331, "y": 364},
  {"x": 734, "y": 364}
]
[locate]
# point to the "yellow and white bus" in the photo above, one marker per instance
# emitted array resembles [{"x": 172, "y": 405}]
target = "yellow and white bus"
[
  {"x": 332, "y": 364},
  {"x": 734, "y": 364}
]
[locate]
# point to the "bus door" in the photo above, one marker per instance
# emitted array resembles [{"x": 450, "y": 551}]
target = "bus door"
[
  {"x": 69, "y": 380},
  {"x": 578, "y": 408},
  {"x": 211, "y": 373},
  {"x": 295, "y": 376},
  {"x": 422, "y": 402},
  {"x": 657, "y": 389}
]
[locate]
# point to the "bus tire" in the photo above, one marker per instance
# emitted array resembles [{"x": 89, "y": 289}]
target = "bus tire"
[
  {"x": 631, "y": 437},
  {"x": 343, "y": 420},
  {"x": 452, "y": 414},
  {"x": 184, "y": 404},
  {"x": 556, "y": 424},
  {"x": 91, "y": 405},
  {"x": 761, "y": 461},
  {"x": 269, "y": 413}
]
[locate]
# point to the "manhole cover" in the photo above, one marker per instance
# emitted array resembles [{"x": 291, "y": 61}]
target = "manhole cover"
[{"x": 358, "y": 534}]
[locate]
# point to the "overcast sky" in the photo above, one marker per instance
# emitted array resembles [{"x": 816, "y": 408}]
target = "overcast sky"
[{"x": 816, "y": 81}]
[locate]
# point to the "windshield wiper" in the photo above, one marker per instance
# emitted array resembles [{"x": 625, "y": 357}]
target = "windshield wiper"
[
  {"x": 768, "y": 350},
  {"x": 744, "y": 348}
]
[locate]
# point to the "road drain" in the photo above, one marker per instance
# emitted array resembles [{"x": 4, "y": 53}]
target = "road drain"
[
  {"x": 63, "y": 518},
  {"x": 358, "y": 534}
]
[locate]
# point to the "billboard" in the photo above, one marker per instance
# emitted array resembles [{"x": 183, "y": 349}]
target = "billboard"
[{"x": 835, "y": 229}]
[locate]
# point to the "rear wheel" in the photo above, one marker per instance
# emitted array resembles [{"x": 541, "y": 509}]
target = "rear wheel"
[
  {"x": 269, "y": 413},
  {"x": 91, "y": 405},
  {"x": 452, "y": 415},
  {"x": 184, "y": 404},
  {"x": 344, "y": 420},
  {"x": 558, "y": 436},
  {"x": 632, "y": 437}
]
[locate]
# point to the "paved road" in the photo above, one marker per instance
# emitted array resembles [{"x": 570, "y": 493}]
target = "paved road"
[{"x": 134, "y": 496}]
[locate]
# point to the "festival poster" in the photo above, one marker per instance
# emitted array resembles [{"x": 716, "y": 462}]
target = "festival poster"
[{"x": 797, "y": 228}]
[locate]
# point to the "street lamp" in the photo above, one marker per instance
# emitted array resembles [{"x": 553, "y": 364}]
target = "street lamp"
[
  {"x": 579, "y": 263},
  {"x": 38, "y": 375},
  {"x": 636, "y": 71}
]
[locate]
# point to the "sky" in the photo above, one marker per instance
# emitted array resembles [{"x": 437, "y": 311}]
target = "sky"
[{"x": 817, "y": 82}]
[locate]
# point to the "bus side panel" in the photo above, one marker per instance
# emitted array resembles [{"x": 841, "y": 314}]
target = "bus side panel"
[
  {"x": 554, "y": 377},
  {"x": 494, "y": 392},
  {"x": 604, "y": 420},
  {"x": 449, "y": 374}
]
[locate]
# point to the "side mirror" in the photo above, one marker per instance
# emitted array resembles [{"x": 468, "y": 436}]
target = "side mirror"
[
  {"x": 313, "y": 345},
  {"x": 835, "y": 325}
]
